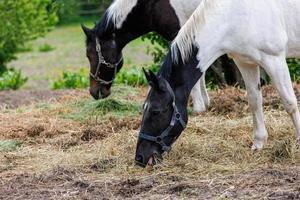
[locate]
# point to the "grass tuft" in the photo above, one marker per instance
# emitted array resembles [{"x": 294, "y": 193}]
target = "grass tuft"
[
  {"x": 46, "y": 48},
  {"x": 9, "y": 145}
]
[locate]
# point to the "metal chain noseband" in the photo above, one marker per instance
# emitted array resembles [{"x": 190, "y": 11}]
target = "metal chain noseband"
[
  {"x": 107, "y": 64},
  {"x": 176, "y": 117}
]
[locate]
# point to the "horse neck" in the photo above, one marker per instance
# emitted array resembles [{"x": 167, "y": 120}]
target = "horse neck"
[
  {"x": 182, "y": 78},
  {"x": 160, "y": 18}
]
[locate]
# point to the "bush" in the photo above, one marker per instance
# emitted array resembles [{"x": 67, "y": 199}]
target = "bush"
[
  {"x": 46, "y": 48},
  {"x": 71, "y": 80},
  {"x": 21, "y": 21},
  {"x": 294, "y": 67},
  {"x": 25, "y": 48},
  {"x": 12, "y": 79},
  {"x": 134, "y": 76},
  {"x": 159, "y": 47}
]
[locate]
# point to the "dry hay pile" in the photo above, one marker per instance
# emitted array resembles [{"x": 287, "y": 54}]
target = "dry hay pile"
[
  {"x": 212, "y": 159},
  {"x": 232, "y": 101}
]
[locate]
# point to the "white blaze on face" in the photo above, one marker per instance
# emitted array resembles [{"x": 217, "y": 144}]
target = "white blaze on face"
[
  {"x": 119, "y": 11},
  {"x": 184, "y": 9}
]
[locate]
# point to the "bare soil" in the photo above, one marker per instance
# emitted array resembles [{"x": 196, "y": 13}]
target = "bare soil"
[
  {"x": 15, "y": 99},
  {"x": 65, "y": 184}
]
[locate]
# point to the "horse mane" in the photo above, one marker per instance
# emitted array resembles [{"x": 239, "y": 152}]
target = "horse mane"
[
  {"x": 119, "y": 10},
  {"x": 183, "y": 44},
  {"x": 114, "y": 16},
  {"x": 167, "y": 67}
]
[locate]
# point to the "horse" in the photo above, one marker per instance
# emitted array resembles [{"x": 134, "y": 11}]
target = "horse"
[
  {"x": 126, "y": 20},
  {"x": 256, "y": 33}
]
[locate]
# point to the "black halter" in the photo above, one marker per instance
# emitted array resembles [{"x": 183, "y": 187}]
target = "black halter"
[
  {"x": 176, "y": 117},
  {"x": 107, "y": 64}
]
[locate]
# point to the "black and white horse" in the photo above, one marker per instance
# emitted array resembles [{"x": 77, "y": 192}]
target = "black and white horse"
[
  {"x": 255, "y": 33},
  {"x": 124, "y": 21}
]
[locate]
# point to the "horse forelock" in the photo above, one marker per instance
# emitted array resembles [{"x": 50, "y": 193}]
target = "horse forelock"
[{"x": 119, "y": 10}]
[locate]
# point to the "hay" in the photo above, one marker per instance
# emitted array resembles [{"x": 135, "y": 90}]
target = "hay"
[{"x": 212, "y": 157}]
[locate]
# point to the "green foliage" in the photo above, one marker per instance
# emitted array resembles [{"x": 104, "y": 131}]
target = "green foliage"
[
  {"x": 23, "y": 20},
  {"x": 159, "y": 47},
  {"x": 71, "y": 11},
  {"x": 71, "y": 80},
  {"x": 12, "y": 79},
  {"x": 134, "y": 76},
  {"x": 24, "y": 48},
  {"x": 46, "y": 48},
  {"x": 294, "y": 67}
]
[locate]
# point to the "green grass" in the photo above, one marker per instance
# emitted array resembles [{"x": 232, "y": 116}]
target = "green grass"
[
  {"x": 115, "y": 105},
  {"x": 68, "y": 54}
]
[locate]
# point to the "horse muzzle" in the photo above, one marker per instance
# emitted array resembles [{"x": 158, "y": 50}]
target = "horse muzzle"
[{"x": 100, "y": 93}]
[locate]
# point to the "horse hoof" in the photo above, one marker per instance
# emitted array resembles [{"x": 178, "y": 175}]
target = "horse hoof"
[
  {"x": 257, "y": 146},
  {"x": 198, "y": 111},
  {"x": 207, "y": 103}
]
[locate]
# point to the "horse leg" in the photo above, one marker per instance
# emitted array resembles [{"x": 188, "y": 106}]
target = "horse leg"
[
  {"x": 251, "y": 76},
  {"x": 204, "y": 93},
  {"x": 198, "y": 103},
  {"x": 277, "y": 69}
]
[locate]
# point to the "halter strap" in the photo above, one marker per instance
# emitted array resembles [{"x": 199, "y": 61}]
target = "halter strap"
[
  {"x": 176, "y": 117},
  {"x": 101, "y": 59}
]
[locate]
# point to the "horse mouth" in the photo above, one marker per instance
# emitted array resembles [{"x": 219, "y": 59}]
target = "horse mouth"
[
  {"x": 103, "y": 96},
  {"x": 104, "y": 92},
  {"x": 153, "y": 160}
]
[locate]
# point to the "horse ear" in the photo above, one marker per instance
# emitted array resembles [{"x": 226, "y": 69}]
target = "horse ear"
[
  {"x": 147, "y": 75},
  {"x": 88, "y": 32},
  {"x": 154, "y": 80}
]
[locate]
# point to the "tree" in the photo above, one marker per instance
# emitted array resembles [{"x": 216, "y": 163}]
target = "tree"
[{"x": 20, "y": 21}]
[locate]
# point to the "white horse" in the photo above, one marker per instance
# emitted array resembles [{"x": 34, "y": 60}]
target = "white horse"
[{"x": 255, "y": 33}]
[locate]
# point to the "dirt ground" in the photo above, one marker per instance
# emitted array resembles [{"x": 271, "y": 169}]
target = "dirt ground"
[
  {"x": 65, "y": 159},
  {"x": 64, "y": 184},
  {"x": 15, "y": 99}
]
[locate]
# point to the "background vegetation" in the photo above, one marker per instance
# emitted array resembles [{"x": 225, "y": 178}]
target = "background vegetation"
[
  {"x": 21, "y": 21},
  {"x": 57, "y": 61}
]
